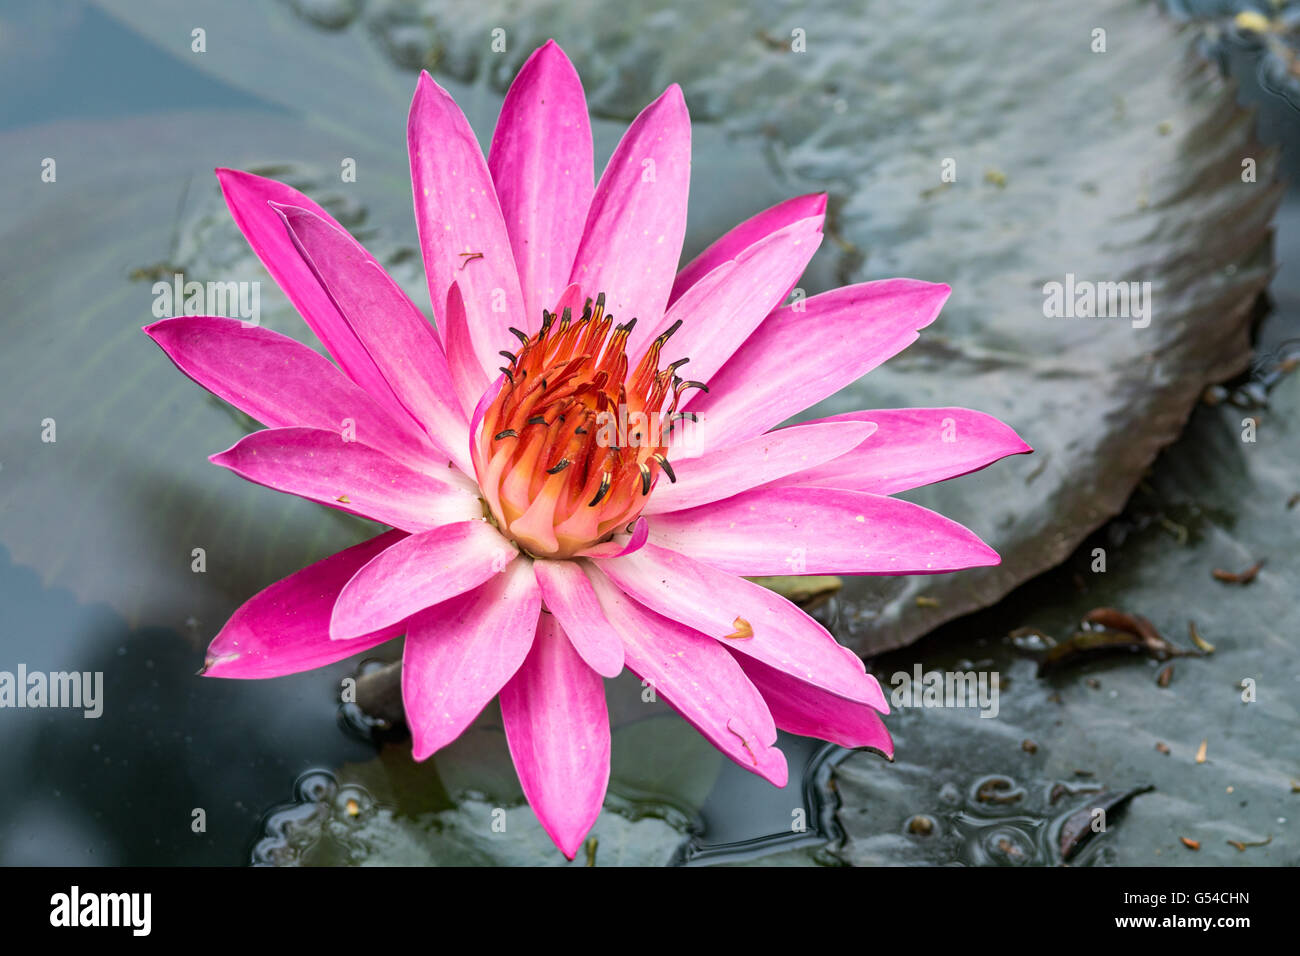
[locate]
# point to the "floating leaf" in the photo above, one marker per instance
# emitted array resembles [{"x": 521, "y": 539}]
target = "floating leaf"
[{"x": 1077, "y": 830}]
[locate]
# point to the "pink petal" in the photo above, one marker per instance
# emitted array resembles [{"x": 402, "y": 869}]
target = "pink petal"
[
  {"x": 462, "y": 235},
  {"x": 541, "y": 164},
  {"x": 557, "y": 728},
  {"x": 727, "y": 608},
  {"x": 320, "y": 466},
  {"x": 419, "y": 572},
  {"x": 724, "y": 472},
  {"x": 634, "y": 229},
  {"x": 809, "y": 712},
  {"x": 460, "y": 653},
  {"x": 719, "y": 312},
  {"x": 912, "y": 447},
  {"x": 393, "y": 331},
  {"x": 567, "y": 594},
  {"x": 467, "y": 375},
  {"x": 280, "y": 382},
  {"x": 697, "y": 678},
  {"x": 804, "y": 352},
  {"x": 621, "y": 544},
  {"x": 285, "y": 628},
  {"x": 820, "y": 531},
  {"x": 248, "y": 198},
  {"x": 740, "y": 238}
]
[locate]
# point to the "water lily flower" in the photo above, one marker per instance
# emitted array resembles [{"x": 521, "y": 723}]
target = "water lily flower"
[{"x": 564, "y": 501}]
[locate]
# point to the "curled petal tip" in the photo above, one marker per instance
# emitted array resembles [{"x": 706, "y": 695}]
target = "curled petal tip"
[{"x": 420, "y": 754}]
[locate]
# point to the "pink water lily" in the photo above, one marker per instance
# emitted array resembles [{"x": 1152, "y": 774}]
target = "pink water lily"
[{"x": 564, "y": 504}]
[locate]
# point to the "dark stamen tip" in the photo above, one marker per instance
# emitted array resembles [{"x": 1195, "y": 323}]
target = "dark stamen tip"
[
  {"x": 668, "y": 469},
  {"x": 667, "y": 333},
  {"x": 508, "y": 433},
  {"x": 536, "y": 420},
  {"x": 604, "y": 487},
  {"x": 645, "y": 478},
  {"x": 560, "y": 466}
]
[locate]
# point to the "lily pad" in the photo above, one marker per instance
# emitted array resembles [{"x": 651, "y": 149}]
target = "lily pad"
[
  {"x": 1219, "y": 740},
  {"x": 1110, "y": 158},
  {"x": 465, "y": 806}
]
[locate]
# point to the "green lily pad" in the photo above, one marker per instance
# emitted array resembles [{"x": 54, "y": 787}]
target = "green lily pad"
[
  {"x": 465, "y": 807},
  {"x": 1218, "y": 736},
  {"x": 1118, "y": 161}
]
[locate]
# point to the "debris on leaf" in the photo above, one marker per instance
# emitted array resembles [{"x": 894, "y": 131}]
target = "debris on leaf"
[
  {"x": 1165, "y": 676},
  {"x": 1252, "y": 21},
  {"x": 998, "y": 790},
  {"x": 1179, "y": 531},
  {"x": 1010, "y": 850},
  {"x": 1190, "y": 843},
  {"x": 923, "y": 601},
  {"x": 1242, "y": 577},
  {"x": 1162, "y": 747},
  {"x": 920, "y": 825},
  {"x": 1200, "y": 751},
  {"x": 1028, "y": 746},
  {"x": 1243, "y": 845},
  {"x": 1107, "y": 629},
  {"x": 1077, "y": 829},
  {"x": 1202, "y": 645}
]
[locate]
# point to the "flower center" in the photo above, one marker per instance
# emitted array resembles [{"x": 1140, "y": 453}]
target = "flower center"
[{"x": 573, "y": 443}]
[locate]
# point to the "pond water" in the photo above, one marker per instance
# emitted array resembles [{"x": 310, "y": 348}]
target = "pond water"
[{"x": 98, "y": 528}]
